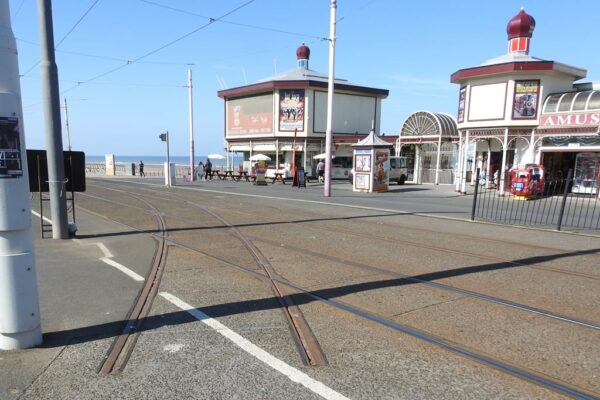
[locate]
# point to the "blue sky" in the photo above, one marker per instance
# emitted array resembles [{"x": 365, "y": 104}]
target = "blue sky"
[{"x": 408, "y": 47}]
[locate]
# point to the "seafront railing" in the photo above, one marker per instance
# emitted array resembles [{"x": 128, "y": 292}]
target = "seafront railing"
[
  {"x": 556, "y": 204},
  {"x": 150, "y": 170}
]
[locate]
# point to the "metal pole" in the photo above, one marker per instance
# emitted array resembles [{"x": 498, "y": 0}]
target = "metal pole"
[
  {"x": 51, "y": 99},
  {"x": 168, "y": 163},
  {"x": 437, "y": 164},
  {"x": 464, "y": 161},
  {"x": 564, "y": 199},
  {"x": 475, "y": 197},
  {"x": 329, "y": 131},
  {"x": 191, "y": 112},
  {"x": 67, "y": 125},
  {"x": 19, "y": 306},
  {"x": 503, "y": 168}
]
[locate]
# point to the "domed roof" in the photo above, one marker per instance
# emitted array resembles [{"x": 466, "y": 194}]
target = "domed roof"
[
  {"x": 303, "y": 52},
  {"x": 521, "y": 25}
]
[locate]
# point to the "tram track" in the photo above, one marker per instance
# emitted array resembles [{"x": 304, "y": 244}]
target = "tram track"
[
  {"x": 123, "y": 345},
  {"x": 425, "y": 279},
  {"x": 398, "y": 240},
  {"x": 306, "y": 342},
  {"x": 520, "y": 372}
]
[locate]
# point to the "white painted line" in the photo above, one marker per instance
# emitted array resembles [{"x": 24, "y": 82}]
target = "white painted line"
[
  {"x": 122, "y": 268},
  {"x": 292, "y": 373},
  {"x": 100, "y": 245},
  {"x": 37, "y": 214},
  {"x": 104, "y": 250}
]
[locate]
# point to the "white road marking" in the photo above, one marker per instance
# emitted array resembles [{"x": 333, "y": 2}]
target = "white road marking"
[
  {"x": 100, "y": 245},
  {"x": 292, "y": 373},
  {"x": 123, "y": 269},
  {"x": 107, "y": 254},
  {"x": 48, "y": 220},
  {"x": 173, "y": 348}
]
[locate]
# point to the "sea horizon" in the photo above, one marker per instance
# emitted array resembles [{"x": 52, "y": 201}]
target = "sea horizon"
[{"x": 150, "y": 160}]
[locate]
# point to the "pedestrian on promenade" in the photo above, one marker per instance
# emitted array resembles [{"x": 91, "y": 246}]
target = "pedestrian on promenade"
[
  {"x": 321, "y": 171},
  {"x": 200, "y": 171},
  {"x": 208, "y": 170},
  {"x": 142, "y": 168}
]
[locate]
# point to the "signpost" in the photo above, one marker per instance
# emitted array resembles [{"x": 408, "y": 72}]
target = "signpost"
[{"x": 165, "y": 138}]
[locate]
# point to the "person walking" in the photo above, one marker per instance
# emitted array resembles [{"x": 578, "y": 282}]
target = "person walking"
[
  {"x": 142, "y": 173},
  {"x": 321, "y": 171},
  {"x": 208, "y": 170},
  {"x": 200, "y": 171}
]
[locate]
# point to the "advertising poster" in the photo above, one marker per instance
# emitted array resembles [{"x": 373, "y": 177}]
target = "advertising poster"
[
  {"x": 381, "y": 170},
  {"x": 250, "y": 115},
  {"x": 362, "y": 162},
  {"x": 261, "y": 170},
  {"x": 461, "y": 104},
  {"x": 291, "y": 110},
  {"x": 10, "y": 149},
  {"x": 526, "y": 99},
  {"x": 361, "y": 181}
]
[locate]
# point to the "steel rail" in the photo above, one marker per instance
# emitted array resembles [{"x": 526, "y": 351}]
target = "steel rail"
[
  {"x": 306, "y": 342},
  {"x": 123, "y": 346},
  {"x": 478, "y": 295},
  {"x": 519, "y": 372}
]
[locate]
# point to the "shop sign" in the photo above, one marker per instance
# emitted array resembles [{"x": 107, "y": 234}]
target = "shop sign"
[{"x": 578, "y": 119}]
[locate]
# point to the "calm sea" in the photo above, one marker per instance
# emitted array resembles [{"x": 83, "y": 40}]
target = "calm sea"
[{"x": 149, "y": 160}]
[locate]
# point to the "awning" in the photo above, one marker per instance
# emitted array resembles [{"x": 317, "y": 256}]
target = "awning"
[
  {"x": 289, "y": 147},
  {"x": 239, "y": 147},
  {"x": 263, "y": 147}
]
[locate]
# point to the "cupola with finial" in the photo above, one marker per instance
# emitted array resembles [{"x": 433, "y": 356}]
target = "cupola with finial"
[
  {"x": 303, "y": 54},
  {"x": 519, "y": 30}
]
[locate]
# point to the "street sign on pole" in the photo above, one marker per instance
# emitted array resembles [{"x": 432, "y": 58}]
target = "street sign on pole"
[{"x": 165, "y": 138}]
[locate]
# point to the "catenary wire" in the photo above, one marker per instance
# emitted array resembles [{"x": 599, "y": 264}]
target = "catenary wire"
[
  {"x": 66, "y": 35},
  {"x": 172, "y": 42},
  {"x": 234, "y": 23}
]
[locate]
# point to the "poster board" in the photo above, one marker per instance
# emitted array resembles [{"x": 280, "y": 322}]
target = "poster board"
[
  {"x": 11, "y": 165},
  {"x": 299, "y": 178}
]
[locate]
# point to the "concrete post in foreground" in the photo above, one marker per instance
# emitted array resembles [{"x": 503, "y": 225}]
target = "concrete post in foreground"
[
  {"x": 51, "y": 99},
  {"x": 19, "y": 307}
]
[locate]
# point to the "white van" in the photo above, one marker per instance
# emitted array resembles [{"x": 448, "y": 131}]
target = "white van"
[{"x": 398, "y": 171}]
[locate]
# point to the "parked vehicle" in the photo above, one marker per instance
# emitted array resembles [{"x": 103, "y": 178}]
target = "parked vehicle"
[
  {"x": 527, "y": 181},
  {"x": 398, "y": 170}
]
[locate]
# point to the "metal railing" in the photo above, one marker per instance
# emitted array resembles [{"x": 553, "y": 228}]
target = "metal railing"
[{"x": 553, "y": 206}]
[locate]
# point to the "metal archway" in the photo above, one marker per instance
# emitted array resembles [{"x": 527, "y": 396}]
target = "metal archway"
[{"x": 428, "y": 124}]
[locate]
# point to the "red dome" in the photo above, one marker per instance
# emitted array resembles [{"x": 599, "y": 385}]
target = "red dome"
[
  {"x": 303, "y": 52},
  {"x": 521, "y": 25}
]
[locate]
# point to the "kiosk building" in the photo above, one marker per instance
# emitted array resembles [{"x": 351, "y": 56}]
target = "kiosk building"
[{"x": 285, "y": 115}]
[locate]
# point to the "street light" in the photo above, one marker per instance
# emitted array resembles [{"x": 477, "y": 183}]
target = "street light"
[{"x": 165, "y": 138}]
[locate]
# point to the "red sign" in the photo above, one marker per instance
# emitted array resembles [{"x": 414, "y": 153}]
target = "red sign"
[{"x": 578, "y": 119}]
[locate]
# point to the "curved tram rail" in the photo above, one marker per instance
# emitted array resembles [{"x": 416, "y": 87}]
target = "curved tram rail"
[
  {"x": 305, "y": 340},
  {"x": 304, "y": 295}
]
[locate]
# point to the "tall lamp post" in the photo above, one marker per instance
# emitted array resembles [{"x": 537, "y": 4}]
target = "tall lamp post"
[
  {"x": 329, "y": 131},
  {"x": 165, "y": 138}
]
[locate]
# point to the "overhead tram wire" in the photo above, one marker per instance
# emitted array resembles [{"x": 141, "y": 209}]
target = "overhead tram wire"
[
  {"x": 129, "y": 62},
  {"x": 66, "y": 35},
  {"x": 101, "y": 57},
  {"x": 235, "y": 23}
]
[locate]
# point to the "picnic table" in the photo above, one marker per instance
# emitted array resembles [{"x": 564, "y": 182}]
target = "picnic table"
[
  {"x": 223, "y": 175},
  {"x": 278, "y": 176},
  {"x": 240, "y": 175}
]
